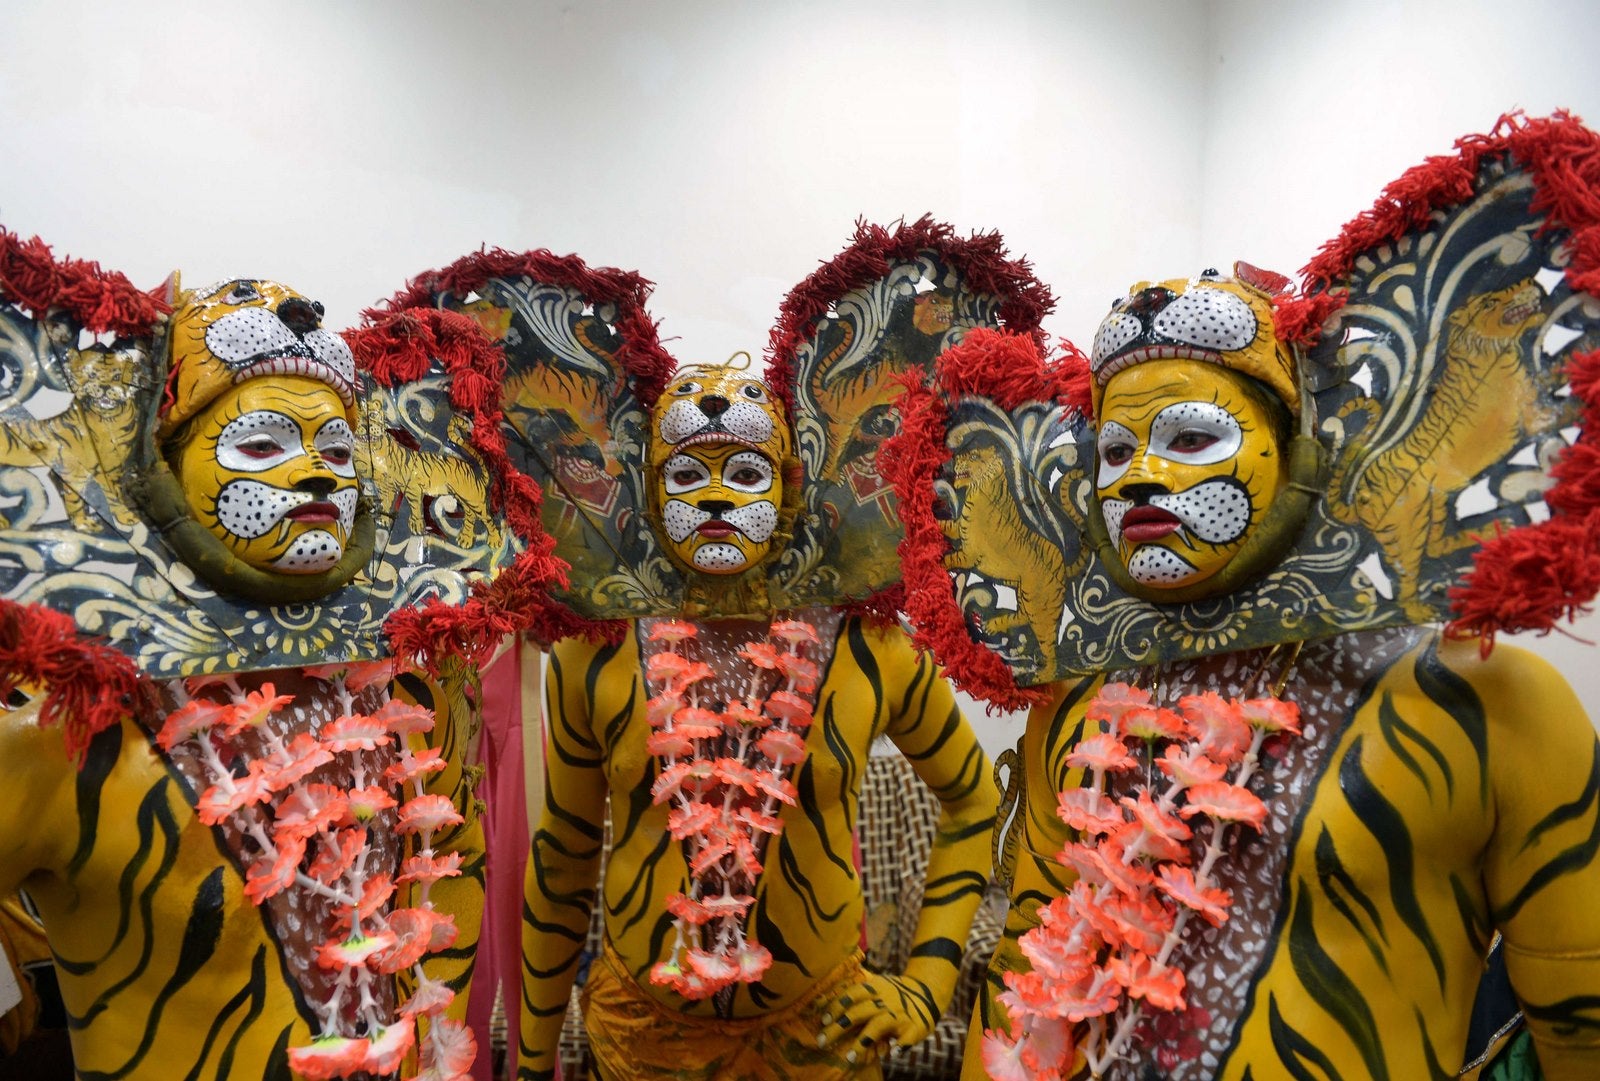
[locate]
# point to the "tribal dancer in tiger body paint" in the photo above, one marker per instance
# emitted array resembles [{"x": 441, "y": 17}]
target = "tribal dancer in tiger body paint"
[
  {"x": 778, "y": 991},
  {"x": 1435, "y": 799},
  {"x": 191, "y": 860}
]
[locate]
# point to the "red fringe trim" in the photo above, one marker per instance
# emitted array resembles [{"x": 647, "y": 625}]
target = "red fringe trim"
[
  {"x": 982, "y": 260},
  {"x": 400, "y": 347},
  {"x": 641, "y": 356},
  {"x": 1009, "y": 369},
  {"x": 89, "y": 687},
  {"x": 101, "y": 301},
  {"x": 1530, "y": 577}
]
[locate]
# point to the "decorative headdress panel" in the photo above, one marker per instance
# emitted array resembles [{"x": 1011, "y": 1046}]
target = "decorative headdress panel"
[
  {"x": 95, "y": 525},
  {"x": 1447, "y": 372},
  {"x": 584, "y": 371}
]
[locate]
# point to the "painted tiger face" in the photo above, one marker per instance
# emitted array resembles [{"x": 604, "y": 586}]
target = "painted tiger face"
[
  {"x": 242, "y": 329},
  {"x": 269, "y": 467},
  {"x": 719, "y": 506},
  {"x": 1189, "y": 461}
]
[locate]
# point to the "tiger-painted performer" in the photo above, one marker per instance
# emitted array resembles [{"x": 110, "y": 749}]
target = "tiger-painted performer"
[
  {"x": 1440, "y": 802},
  {"x": 779, "y": 991},
  {"x": 736, "y": 533},
  {"x": 247, "y": 828}
]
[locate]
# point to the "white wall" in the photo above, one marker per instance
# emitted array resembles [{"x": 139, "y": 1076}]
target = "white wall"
[{"x": 723, "y": 149}]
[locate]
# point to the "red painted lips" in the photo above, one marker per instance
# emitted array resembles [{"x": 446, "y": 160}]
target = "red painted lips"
[
  {"x": 320, "y": 511},
  {"x": 1141, "y": 525}
]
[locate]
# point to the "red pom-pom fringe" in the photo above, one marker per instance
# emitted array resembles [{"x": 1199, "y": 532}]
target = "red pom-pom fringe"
[
  {"x": 100, "y": 301},
  {"x": 1528, "y": 578},
  {"x": 641, "y": 355},
  {"x": 400, "y": 346},
  {"x": 912, "y": 458},
  {"x": 89, "y": 687},
  {"x": 982, "y": 260}
]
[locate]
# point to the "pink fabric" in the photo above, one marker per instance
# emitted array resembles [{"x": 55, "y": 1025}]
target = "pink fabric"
[{"x": 505, "y": 825}]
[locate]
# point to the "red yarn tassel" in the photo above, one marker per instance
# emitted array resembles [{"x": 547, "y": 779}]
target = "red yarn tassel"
[
  {"x": 909, "y": 460},
  {"x": 982, "y": 260},
  {"x": 88, "y": 687},
  {"x": 648, "y": 365},
  {"x": 100, "y": 301}
]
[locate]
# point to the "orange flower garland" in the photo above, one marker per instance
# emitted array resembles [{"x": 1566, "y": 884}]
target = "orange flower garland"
[
  {"x": 313, "y": 837},
  {"x": 1101, "y": 954},
  {"x": 724, "y": 771}
]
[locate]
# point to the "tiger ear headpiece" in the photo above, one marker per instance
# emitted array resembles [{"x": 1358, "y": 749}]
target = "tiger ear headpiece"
[{"x": 1445, "y": 345}]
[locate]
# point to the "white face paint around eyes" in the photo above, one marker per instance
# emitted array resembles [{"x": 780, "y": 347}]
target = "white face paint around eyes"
[
  {"x": 258, "y": 441},
  {"x": 1116, "y": 445},
  {"x": 1195, "y": 433},
  {"x": 336, "y": 443},
  {"x": 685, "y": 474},
  {"x": 747, "y": 471}
]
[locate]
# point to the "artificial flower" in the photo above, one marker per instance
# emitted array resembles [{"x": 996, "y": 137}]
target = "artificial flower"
[
  {"x": 1113, "y": 701},
  {"x": 669, "y": 744},
  {"x": 354, "y": 734},
  {"x": 672, "y": 630},
  {"x": 336, "y": 854},
  {"x": 1218, "y": 724},
  {"x": 690, "y": 818},
  {"x": 757, "y": 821},
  {"x": 711, "y": 967},
  {"x": 1150, "y": 723},
  {"x": 760, "y": 654},
  {"x": 778, "y": 788},
  {"x": 389, "y": 1047},
  {"x": 1179, "y": 884},
  {"x": 1160, "y": 985},
  {"x": 801, "y": 672},
  {"x": 448, "y": 1052},
  {"x": 1103, "y": 752},
  {"x": 786, "y": 706},
  {"x": 659, "y": 710},
  {"x": 402, "y": 718},
  {"x": 782, "y": 746},
  {"x": 308, "y": 810},
  {"x": 191, "y": 719},
  {"x": 697, "y": 723},
  {"x": 413, "y": 931},
  {"x": 362, "y": 805},
  {"x": 430, "y": 812},
  {"x": 794, "y": 632},
  {"x": 274, "y": 872},
  {"x": 414, "y": 764},
  {"x": 304, "y": 754},
  {"x": 328, "y": 1058},
  {"x": 753, "y": 960},
  {"x": 734, "y": 772},
  {"x": 1188, "y": 765},
  {"x": 1088, "y": 810},
  {"x": 1225, "y": 802},
  {"x": 220, "y": 801},
  {"x": 254, "y": 708},
  {"x": 1271, "y": 715},
  {"x": 686, "y": 908},
  {"x": 425, "y": 868},
  {"x": 430, "y": 999},
  {"x": 353, "y": 951}
]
